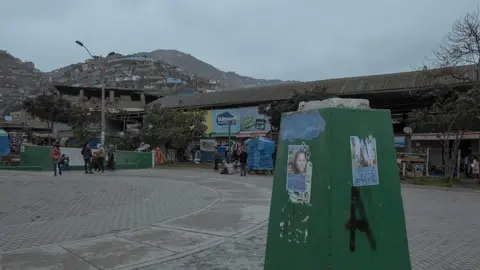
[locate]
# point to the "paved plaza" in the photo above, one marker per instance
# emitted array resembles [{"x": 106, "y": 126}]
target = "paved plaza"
[{"x": 189, "y": 219}]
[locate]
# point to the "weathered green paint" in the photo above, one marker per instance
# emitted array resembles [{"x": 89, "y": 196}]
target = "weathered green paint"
[
  {"x": 126, "y": 159},
  {"x": 38, "y": 158},
  {"x": 314, "y": 236}
]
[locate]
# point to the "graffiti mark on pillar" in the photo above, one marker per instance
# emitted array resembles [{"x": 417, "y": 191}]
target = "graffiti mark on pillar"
[{"x": 361, "y": 224}]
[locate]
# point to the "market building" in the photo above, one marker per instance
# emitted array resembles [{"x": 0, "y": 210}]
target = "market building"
[{"x": 386, "y": 91}]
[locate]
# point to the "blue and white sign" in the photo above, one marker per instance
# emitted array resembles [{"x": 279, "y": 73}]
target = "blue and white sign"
[
  {"x": 220, "y": 119},
  {"x": 246, "y": 119},
  {"x": 226, "y": 118}
]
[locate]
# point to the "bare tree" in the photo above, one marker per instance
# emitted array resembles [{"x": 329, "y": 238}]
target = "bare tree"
[
  {"x": 454, "y": 74},
  {"x": 461, "y": 47}
]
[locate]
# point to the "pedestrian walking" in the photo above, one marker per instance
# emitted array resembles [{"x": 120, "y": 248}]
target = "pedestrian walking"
[
  {"x": 56, "y": 158},
  {"x": 111, "y": 158},
  {"x": 216, "y": 159},
  {"x": 243, "y": 157},
  {"x": 227, "y": 154},
  {"x": 101, "y": 158},
  {"x": 87, "y": 157}
]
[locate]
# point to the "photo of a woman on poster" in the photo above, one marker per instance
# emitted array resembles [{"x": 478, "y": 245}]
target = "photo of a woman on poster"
[
  {"x": 299, "y": 174},
  {"x": 298, "y": 164}
]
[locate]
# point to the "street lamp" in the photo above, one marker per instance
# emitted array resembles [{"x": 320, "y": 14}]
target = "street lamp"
[
  {"x": 79, "y": 43},
  {"x": 104, "y": 85}
]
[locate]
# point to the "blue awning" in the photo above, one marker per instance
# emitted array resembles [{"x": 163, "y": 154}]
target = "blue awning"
[{"x": 4, "y": 144}]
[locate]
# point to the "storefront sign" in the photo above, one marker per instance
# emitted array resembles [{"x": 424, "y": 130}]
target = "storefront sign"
[
  {"x": 225, "y": 119},
  {"x": 240, "y": 120},
  {"x": 399, "y": 141}
]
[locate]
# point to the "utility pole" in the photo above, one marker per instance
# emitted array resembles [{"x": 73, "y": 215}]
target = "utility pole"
[
  {"x": 228, "y": 142},
  {"x": 104, "y": 85}
]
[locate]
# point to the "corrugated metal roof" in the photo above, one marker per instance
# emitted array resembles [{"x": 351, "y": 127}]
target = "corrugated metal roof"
[
  {"x": 342, "y": 86},
  {"x": 250, "y": 95}
]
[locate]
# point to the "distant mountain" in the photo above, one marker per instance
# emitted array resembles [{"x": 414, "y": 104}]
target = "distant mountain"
[
  {"x": 169, "y": 71},
  {"x": 18, "y": 79},
  {"x": 226, "y": 80}
]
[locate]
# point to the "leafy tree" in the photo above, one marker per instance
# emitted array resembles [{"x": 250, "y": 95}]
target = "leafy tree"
[
  {"x": 174, "y": 128},
  {"x": 121, "y": 115},
  {"x": 50, "y": 107},
  {"x": 455, "y": 98},
  {"x": 275, "y": 109},
  {"x": 128, "y": 141},
  {"x": 83, "y": 122},
  {"x": 451, "y": 114}
]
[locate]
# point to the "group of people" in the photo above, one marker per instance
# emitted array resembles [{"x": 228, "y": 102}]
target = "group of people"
[
  {"x": 96, "y": 161},
  {"x": 93, "y": 161},
  {"x": 239, "y": 156}
]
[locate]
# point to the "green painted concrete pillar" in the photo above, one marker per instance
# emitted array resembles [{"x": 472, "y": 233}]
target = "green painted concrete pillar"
[{"x": 336, "y": 199}]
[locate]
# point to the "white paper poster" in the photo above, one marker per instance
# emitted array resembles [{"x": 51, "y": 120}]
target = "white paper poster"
[{"x": 364, "y": 161}]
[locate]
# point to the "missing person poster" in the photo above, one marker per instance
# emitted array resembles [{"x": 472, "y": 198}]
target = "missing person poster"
[{"x": 299, "y": 174}]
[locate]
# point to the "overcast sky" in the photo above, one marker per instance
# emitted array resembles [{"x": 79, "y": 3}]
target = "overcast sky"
[{"x": 289, "y": 40}]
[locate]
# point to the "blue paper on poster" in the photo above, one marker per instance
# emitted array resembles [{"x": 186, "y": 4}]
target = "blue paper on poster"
[
  {"x": 301, "y": 126},
  {"x": 366, "y": 176},
  {"x": 296, "y": 182}
]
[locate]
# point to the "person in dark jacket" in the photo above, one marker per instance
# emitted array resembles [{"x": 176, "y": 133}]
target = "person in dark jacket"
[
  {"x": 111, "y": 158},
  {"x": 87, "y": 157},
  {"x": 242, "y": 158},
  {"x": 216, "y": 159}
]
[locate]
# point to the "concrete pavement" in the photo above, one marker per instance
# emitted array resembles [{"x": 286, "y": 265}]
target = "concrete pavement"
[
  {"x": 210, "y": 221},
  {"x": 122, "y": 220},
  {"x": 442, "y": 228}
]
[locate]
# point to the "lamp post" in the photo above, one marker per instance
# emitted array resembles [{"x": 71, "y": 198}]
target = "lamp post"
[
  {"x": 228, "y": 141},
  {"x": 230, "y": 123},
  {"x": 104, "y": 85}
]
